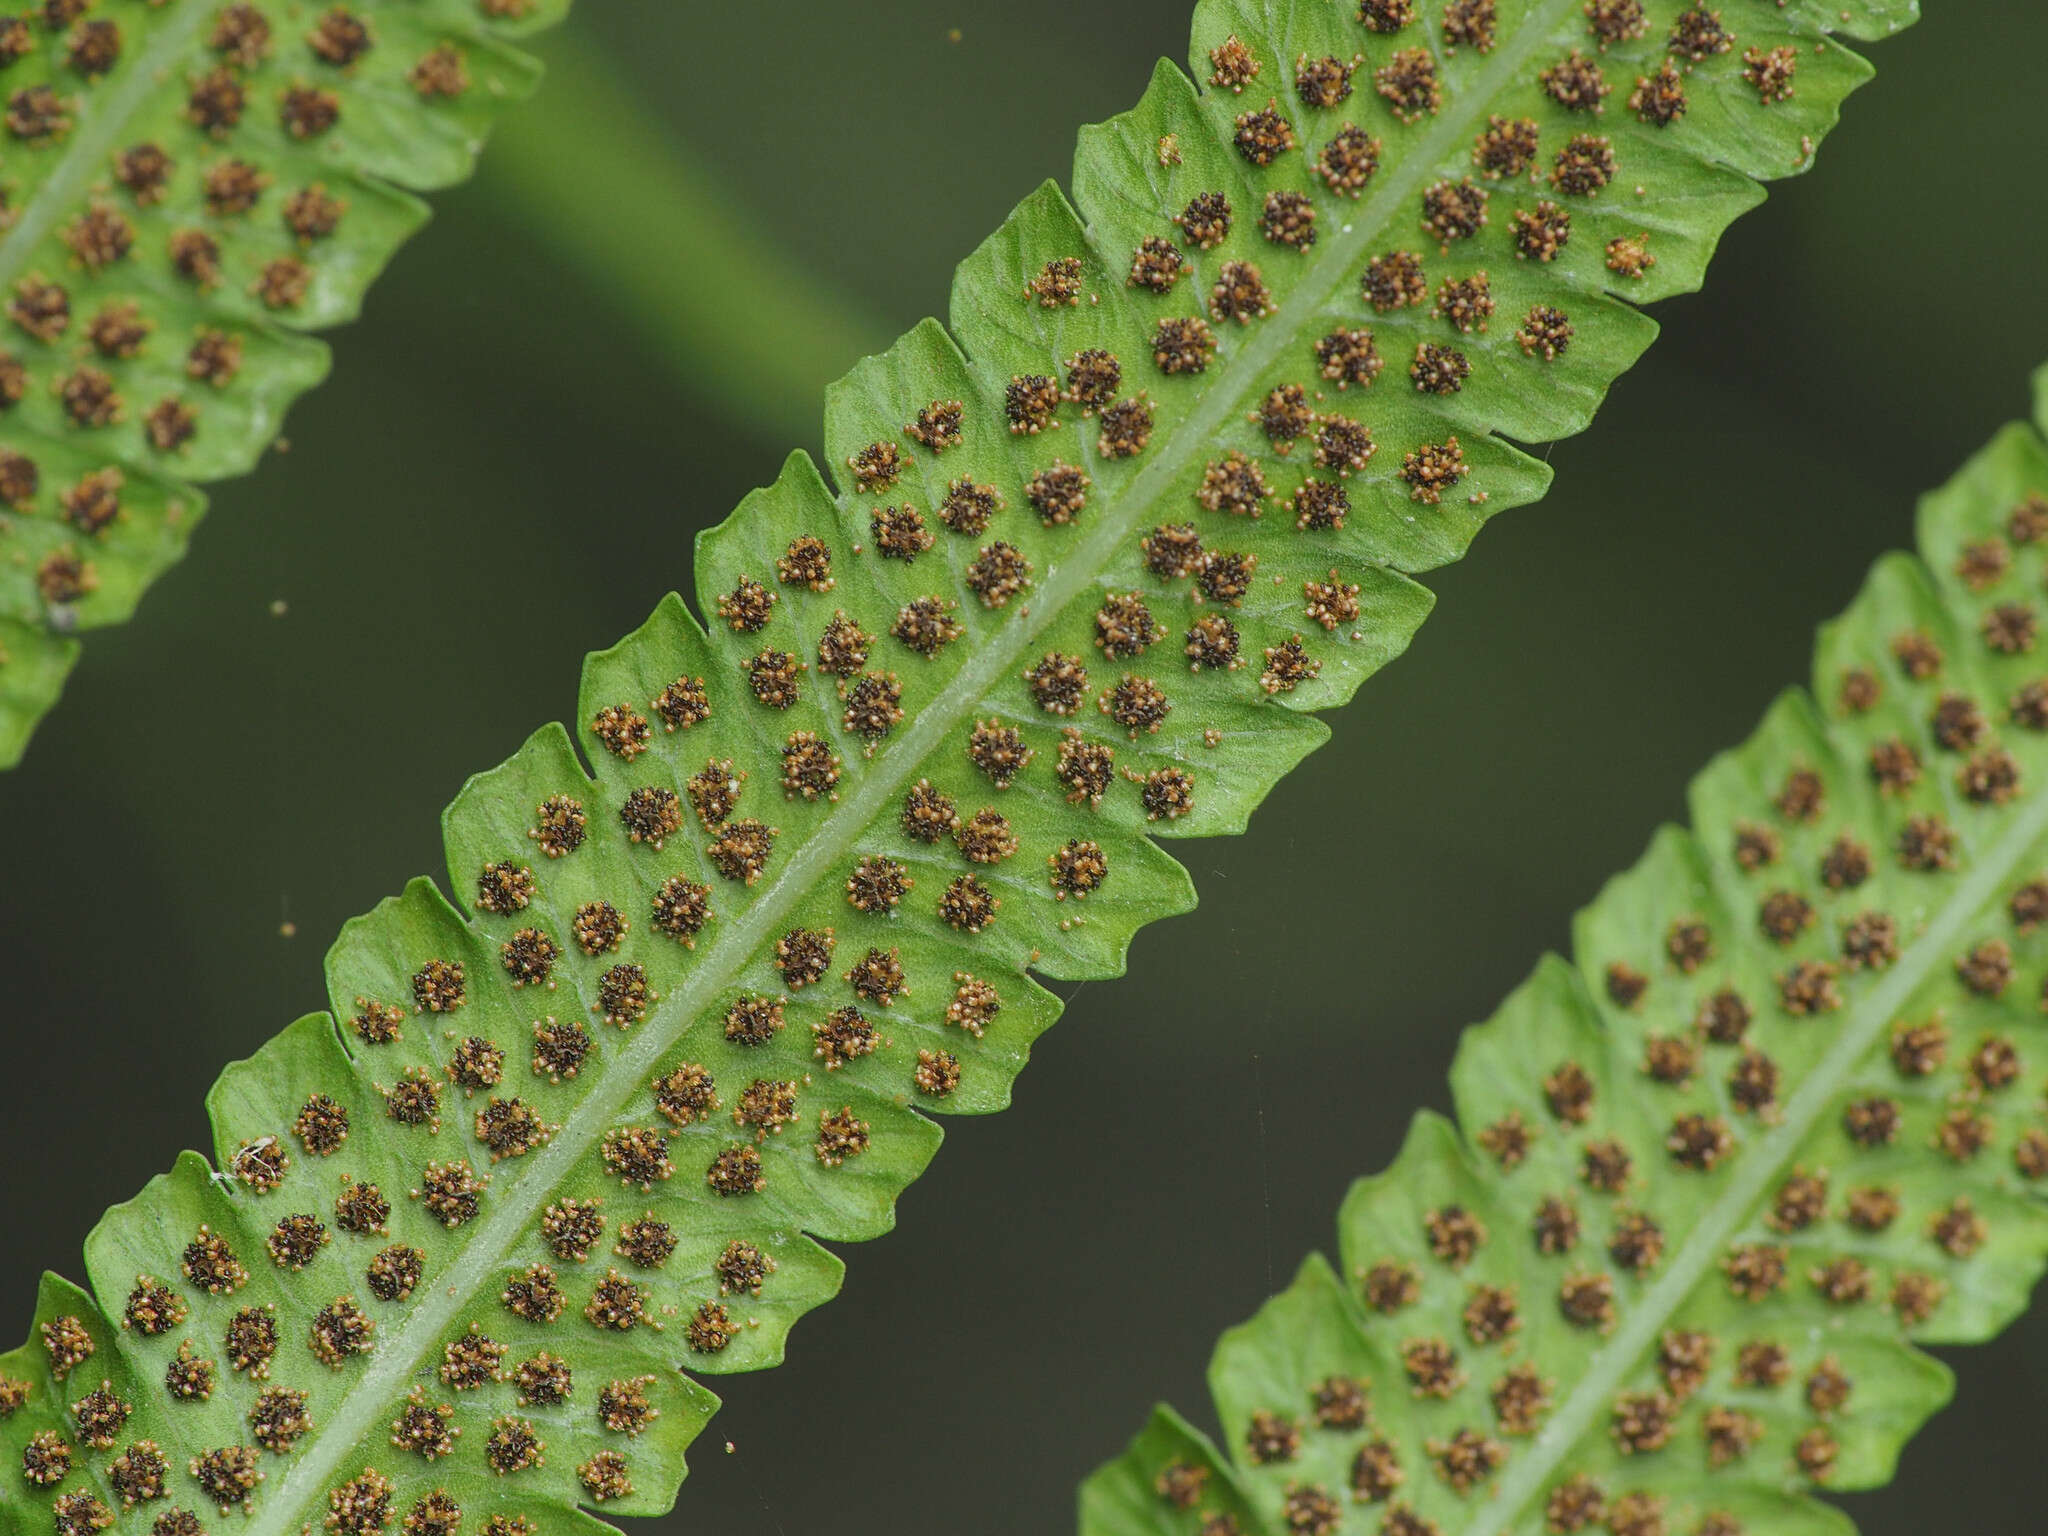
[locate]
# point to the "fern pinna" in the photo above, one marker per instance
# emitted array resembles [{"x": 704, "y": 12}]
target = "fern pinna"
[
  {"x": 595, "y": 1123},
  {"x": 190, "y": 188},
  {"x": 1710, "y": 1184}
]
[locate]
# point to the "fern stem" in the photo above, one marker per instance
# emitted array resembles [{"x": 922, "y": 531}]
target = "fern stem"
[{"x": 748, "y": 330}]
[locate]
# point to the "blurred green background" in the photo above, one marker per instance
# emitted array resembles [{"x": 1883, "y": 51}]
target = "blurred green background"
[{"x": 507, "y": 469}]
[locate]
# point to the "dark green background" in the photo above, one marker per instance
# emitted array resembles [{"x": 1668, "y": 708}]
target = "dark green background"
[{"x": 506, "y": 471}]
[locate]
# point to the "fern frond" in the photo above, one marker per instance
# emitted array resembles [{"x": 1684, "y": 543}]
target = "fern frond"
[
  {"x": 191, "y": 189},
  {"x": 1713, "y": 1182},
  {"x": 800, "y": 895}
]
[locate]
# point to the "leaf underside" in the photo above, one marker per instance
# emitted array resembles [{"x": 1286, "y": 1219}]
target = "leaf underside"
[
  {"x": 191, "y": 188},
  {"x": 799, "y": 896},
  {"x": 1811, "y": 1028}
]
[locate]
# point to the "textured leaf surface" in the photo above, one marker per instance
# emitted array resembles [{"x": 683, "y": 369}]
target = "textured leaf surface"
[
  {"x": 813, "y": 871},
  {"x": 191, "y": 188},
  {"x": 1710, "y": 1184}
]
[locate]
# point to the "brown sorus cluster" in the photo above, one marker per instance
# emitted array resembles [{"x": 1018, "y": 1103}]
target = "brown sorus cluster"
[
  {"x": 452, "y": 1193},
  {"x": 1236, "y": 484},
  {"x": 1126, "y": 428},
  {"x": 1348, "y": 160},
  {"x": 1317, "y": 505},
  {"x": 878, "y": 977},
  {"x": 877, "y": 884},
  {"x": 1181, "y": 1484},
  {"x": 937, "y": 1073},
  {"x": 1057, "y": 493},
  {"x": 1432, "y": 1367},
  {"x": 1085, "y": 769},
  {"x": 139, "y": 1474},
  {"x": 1438, "y": 370},
  {"x": 1232, "y": 65},
  {"x": 559, "y": 1049},
  {"x": 840, "y": 1136},
  {"x": 1756, "y": 847},
  {"x": 873, "y": 705},
  {"x": 998, "y": 574},
  {"x": 1698, "y": 35},
  {"x": 683, "y": 703},
  {"x": 938, "y": 425},
  {"x": 1058, "y": 283},
  {"x": 899, "y": 533},
  {"x": 534, "y": 1295},
  {"x": 1348, "y": 357},
  {"x": 624, "y": 1408},
  {"x": 736, "y": 1171},
  {"x": 341, "y": 1331},
  {"x": 1171, "y": 551},
  {"x": 841, "y": 1036},
  {"x": 1289, "y": 219},
  {"x": 617, "y": 1303},
  {"x": 1031, "y": 402},
  {"x": 967, "y": 904},
  {"x": 395, "y": 1272},
  {"x": 153, "y": 1308},
  {"x": 623, "y": 995},
  {"x": 1432, "y": 469},
  {"x": 975, "y": 1004},
  {"x": 1542, "y": 231},
  {"x": 513, "y": 1447},
  {"x": 1156, "y": 265},
  {"x": 605, "y": 1476},
  {"x": 876, "y": 467},
  {"x": 188, "y": 1378},
  {"x": 1078, "y": 868},
  {"x": 998, "y": 751},
  {"x": 296, "y": 1240},
  {"x": 1453, "y": 210},
  {"x": 46, "y": 1460},
  {"x": 227, "y": 1476},
  {"x": 1409, "y": 84},
  {"x": 1771, "y": 72},
  {"x": 1576, "y": 83},
  {"x": 1326, "y": 80},
  {"x": 1263, "y": 136},
  {"x": 1629, "y": 255},
  {"x": 1584, "y": 167},
  {"x": 1272, "y": 1437},
  {"x": 1466, "y": 302},
  {"x": 1124, "y": 626},
  {"x": 927, "y": 625},
  {"x": 1505, "y": 148},
  {"x": 1284, "y": 415},
  {"x": 1182, "y": 345},
  {"x": 1206, "y": 220},
  {"x": 742, "y": 1267}
]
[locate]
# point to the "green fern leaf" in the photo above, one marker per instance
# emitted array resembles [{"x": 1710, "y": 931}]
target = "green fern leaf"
[
  {"x": 800, "y": 895},
  {"x": 190, "y": 189},
  {"x": 1710, "y": 1186}
]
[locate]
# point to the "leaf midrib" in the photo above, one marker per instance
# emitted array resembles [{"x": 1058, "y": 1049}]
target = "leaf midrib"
[
  {"x": 393, "y": 1364},
  {"x": 1758, "y": 1168},
  {"x": 85, "y": 153}
]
